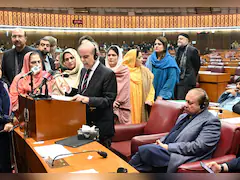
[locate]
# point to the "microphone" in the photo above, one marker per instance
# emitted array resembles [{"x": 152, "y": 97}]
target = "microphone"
[
  {"x": 34, "y": 70},
  {"x": 14, "y": 127},
  {"x": 46, "y": 78},
  {"x": 101, "y": 153},
  {"x": 61, "y": 74}
]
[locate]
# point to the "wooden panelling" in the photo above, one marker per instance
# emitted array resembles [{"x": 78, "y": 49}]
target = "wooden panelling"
[{"x": 89, "y": 21}]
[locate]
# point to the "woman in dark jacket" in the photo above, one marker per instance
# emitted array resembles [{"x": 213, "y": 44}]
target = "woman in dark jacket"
[{"x": 5, "y": 127}]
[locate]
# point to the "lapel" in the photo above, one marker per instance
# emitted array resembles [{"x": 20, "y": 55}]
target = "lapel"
[
  {"x": 94, "y": 77},
  {"x": 197, "y": 120},
  {"x": 83, "y": 71}
]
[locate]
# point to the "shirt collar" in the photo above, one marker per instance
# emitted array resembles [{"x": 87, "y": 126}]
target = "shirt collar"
[{"x": 95, "y": 65}]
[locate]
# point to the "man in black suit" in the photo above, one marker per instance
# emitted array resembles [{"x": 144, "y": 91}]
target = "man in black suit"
[
  {"x": 87, "y": 38},
  {"x": 44, "y": 48},
  {"x": 98, "y": 89},
  {"x": 12, "y": 60},
  {"x": 188, "y": 60}
]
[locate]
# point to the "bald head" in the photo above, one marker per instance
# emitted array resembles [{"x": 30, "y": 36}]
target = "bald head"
[
  {"x": 19, "y": 39},
  {"x": 19, "y": 30},
  {"x": 87, "y": 46},
  {"x": 86, "y": 52}
]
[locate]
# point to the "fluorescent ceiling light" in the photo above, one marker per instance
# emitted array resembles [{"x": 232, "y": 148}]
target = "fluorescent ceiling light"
[{"x": 122, "y": 30}]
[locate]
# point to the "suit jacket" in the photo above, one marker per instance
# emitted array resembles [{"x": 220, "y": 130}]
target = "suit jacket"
[
  {"x": 51, "y": 61},
  {"x": 102, "y": 92},
  {"x": 197, "y": 141},
  {"x": 234, "y": 165},
  {"x": 192, "y": 66},
  {"x": 102, "y": 60},
  {"x": 8, "y": 64}
]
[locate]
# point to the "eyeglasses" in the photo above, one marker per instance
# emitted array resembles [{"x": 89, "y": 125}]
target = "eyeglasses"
[{"x": 19, "y": 36}]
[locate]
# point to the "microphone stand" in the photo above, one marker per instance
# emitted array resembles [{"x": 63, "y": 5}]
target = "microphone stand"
[
  {"x": 46, "y": 89},
  {"x": 101, "y": 153},
  {"x": 31, "y": 83}
]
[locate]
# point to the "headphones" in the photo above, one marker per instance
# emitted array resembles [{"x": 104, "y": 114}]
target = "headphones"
[
  {"x": 95, "y": 55},
  {"x": 204, "y": 100}
]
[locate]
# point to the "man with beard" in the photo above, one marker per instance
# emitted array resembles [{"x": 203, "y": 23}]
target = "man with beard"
[
  {"x": 53, "y": 46},
  {"x": 230, "y": 98},
  {"x": 188, "y": 60},
  {"x": 12, "y": 60},
  {"x": 44, "y": 48}
]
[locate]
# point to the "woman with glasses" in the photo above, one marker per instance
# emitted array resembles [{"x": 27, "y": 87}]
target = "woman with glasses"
[{"x": 21, "y": 84}]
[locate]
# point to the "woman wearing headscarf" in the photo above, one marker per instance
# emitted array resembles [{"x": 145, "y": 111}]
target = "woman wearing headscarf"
[
  {"x": 121, "y": 106},
  {"x": 164, "y": 68},
  {"x": 21, "y": 85},
  {"x": 141, "y": 87},
  {"x": 70, "y": 61}
]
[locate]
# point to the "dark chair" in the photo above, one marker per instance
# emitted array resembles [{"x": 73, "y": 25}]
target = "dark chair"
[
  {"x": 226, "y": 150},
  {"x": 162, "y": 118}
]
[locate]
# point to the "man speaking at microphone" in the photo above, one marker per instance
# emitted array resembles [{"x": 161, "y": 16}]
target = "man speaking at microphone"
[{"x": 97, "y": 89}]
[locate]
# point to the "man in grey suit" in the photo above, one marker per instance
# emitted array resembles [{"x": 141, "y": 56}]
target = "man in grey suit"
[{"x": 194, "y": 137}]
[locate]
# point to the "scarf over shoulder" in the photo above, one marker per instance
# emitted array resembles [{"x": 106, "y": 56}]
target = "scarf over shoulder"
[
  {"x": 139, "y": 75},
  {"x": 74, "y": 75},
  {"x": 123, "y": 87},
  {"x": 166, "y": 74},
  {"x": 23, "y": 84}
]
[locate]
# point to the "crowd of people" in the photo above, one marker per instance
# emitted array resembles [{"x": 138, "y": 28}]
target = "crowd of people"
[{"x": 116, "y": 89}]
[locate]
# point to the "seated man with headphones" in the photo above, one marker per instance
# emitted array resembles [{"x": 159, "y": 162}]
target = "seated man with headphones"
[
  {"x": 194, "y": 137},
  {"x": 97, "y": 89}
]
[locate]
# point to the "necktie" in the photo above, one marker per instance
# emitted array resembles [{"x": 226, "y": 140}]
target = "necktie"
[{"x": 84, "y": 86}]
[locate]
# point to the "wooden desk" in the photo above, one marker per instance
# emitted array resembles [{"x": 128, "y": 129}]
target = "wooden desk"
[
  {"x": 231, "y": 70},
  {"x": 213, "y": 83},
  {"x": 203, "y": 68},
  {"x": 225, "y": 113},
  {"x": 227, "y": 69},
  {"x": 29, "y": 161}
]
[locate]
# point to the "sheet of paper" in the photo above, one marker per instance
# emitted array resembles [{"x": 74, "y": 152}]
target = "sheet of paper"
[
  {"x": 61, "y": 98},
  {"x": 232, "y": 120},
  {"x": 52, "y": 151},
  {"x": 215, "y": 113},
  {"x": 86, "y": 171},
  {"x": 213, "y": 104}
]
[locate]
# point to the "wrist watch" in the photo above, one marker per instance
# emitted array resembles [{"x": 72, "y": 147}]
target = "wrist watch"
[{"x": 222, "y": 168}]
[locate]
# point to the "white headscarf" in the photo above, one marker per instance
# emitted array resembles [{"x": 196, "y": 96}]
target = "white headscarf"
[{"x": 120, "y": 58}]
